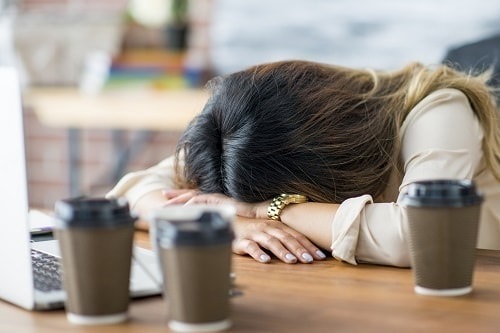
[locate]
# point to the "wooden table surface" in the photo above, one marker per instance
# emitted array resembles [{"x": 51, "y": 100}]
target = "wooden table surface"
[
  {"x": 121, "y": 109},
  {"x": 326, "y": 296}
]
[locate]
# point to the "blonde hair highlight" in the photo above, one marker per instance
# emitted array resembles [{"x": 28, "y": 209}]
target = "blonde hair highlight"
[{"x": 421, "y": 81}]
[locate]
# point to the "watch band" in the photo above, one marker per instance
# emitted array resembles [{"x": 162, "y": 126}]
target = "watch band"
[{"x": 280, "y": 202}]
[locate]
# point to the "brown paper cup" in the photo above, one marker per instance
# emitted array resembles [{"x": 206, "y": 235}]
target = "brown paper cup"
[
  {"x": 194, "y": 244},
  {"x": 442, "y": 248},
  {"x": 96, "y": 273},
  {"x": 96, "y": 238},
  {"x": 443, "y": 221},
  {"x": 197, "y": 287}
]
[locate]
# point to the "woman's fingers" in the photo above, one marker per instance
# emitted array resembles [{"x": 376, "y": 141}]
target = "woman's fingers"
[
  {"x": 213, "y": 198},
  {"x": 299, "y": 244},
  {"x": 245, "y": 209},
  {"x": 172, "y": 193},
  {"x": 246, "y": 246},
  {"x": 284, "y": 246},
  {"x": 242, "y": 208},
  {"x": 283, "y": 242},
  {"x": 179, "y": 196},
  {"x": 277, "y": 248}
]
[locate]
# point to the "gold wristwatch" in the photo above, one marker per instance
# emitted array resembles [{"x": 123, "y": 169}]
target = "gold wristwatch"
[{"x": 280, "y": 202}]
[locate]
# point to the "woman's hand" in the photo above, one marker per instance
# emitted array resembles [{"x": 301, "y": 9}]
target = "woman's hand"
[
  {"x": 250, "y": 210},
  {"x": 253, "y": 237},
  {"x": 254, "y": 233}
]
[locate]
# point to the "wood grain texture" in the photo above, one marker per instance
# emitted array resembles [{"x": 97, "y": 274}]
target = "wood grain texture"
[{"x": 327, "y": 296}]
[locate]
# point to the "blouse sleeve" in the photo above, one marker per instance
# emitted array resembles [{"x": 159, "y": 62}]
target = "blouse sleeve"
[
  {"x": 441, "y": 138},
  {"x": 136, "y": 184}
]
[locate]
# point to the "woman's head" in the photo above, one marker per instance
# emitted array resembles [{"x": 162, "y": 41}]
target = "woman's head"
[
  {"x": 296, "y": 127},
  {"x": 327, "y": 132}
]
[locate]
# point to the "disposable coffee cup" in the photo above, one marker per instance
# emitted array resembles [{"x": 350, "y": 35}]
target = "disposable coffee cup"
[
  {"x": 194, "y": 244},
  {"x": 95, "y": 237},
  {"x": 443, "y": 221}
]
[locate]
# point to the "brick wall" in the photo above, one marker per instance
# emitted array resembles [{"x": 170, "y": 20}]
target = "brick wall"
[{"x": 46, "y": 162}]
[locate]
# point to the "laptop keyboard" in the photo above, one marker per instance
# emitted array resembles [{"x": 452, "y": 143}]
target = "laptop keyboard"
[{"x": 46, "y": 271}]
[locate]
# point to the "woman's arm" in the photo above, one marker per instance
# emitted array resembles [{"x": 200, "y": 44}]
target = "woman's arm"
[
  {"x": 441, "y": 138},
  {"x": 314, "y": 220},
  {"x": 311, "y": 219},
  {"x": 145, "y": 205},
  {"x": 144, "y": 189}
]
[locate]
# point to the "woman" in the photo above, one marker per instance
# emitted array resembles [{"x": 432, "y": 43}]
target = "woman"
[{"x": 347, "y": 141}]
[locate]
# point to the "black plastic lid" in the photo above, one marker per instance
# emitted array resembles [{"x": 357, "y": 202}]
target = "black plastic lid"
[
  {"x": 442, "y": 193},
  {"x": 92, "y": 212},
  {"x": 209, "y": 229}
]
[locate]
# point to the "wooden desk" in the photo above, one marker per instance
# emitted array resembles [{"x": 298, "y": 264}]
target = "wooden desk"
[
  {"x": 325, "y": 296},
  {"x": 119, "y": 110}
]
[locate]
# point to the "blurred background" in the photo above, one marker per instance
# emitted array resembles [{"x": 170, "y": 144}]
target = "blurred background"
[{"x": 78, "y": 56}]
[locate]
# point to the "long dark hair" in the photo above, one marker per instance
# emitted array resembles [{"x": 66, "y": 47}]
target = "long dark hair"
[{"x": 323, "y": 131}]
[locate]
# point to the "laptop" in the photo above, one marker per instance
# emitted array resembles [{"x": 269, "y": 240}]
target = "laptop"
[{"x": 18, "y": 246}]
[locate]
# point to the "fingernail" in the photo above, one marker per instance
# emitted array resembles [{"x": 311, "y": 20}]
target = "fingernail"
[
  {"x": 264, "y": 258},
  {"x": 320, "y": 254},
  {"x": 290, "y": 257},
  {"x": 307, "y": 257}
]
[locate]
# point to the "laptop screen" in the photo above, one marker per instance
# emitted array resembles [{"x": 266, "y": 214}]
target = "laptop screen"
[{"x": 16, "y": 281}]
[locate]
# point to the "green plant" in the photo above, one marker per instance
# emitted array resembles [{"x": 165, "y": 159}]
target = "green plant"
[{"x": 179, "y": 9}]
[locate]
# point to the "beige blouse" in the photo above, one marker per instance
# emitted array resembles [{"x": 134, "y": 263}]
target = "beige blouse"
[{"x": 441, "y": 138}]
